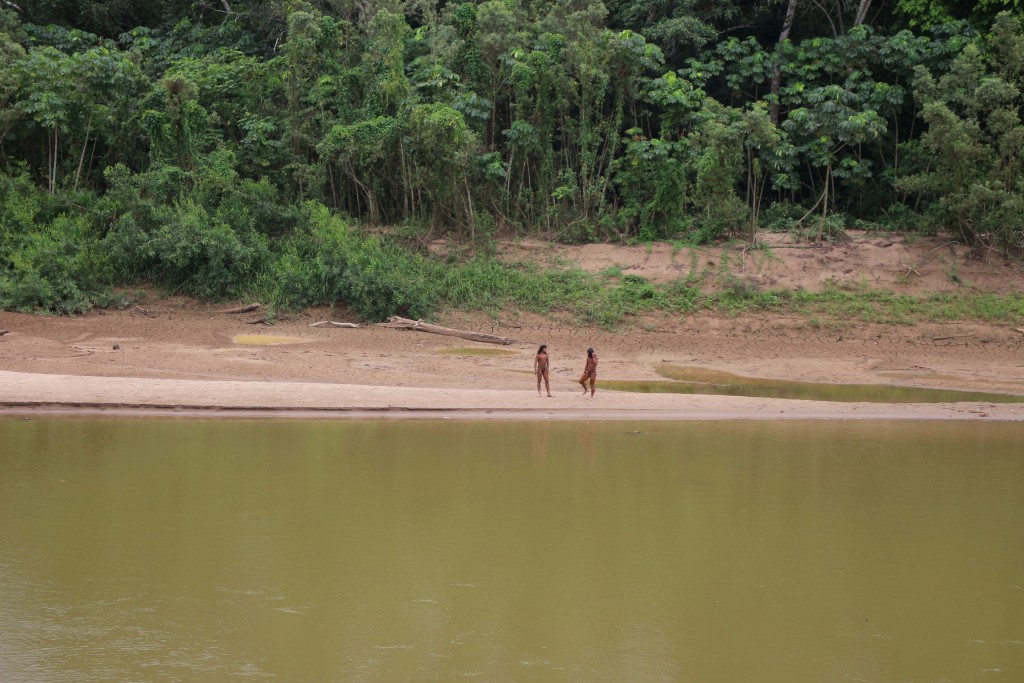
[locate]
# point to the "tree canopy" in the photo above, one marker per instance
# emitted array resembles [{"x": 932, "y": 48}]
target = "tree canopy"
[{"x": 191, "y": 143}]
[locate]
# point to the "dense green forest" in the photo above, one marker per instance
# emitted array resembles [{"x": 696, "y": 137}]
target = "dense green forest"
[{"x": 303, "y": 151}]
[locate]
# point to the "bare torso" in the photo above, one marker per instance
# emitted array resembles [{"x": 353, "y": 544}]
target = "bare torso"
[{"x": 540, "y": 362}]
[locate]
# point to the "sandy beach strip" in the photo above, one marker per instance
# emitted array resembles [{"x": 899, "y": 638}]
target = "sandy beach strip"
[{"x": 32, "y": 393}]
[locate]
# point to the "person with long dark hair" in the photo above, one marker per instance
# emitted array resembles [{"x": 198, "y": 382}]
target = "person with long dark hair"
[
  {"x": 589, "y": 372},
  {"x": 541, "y": 363}
]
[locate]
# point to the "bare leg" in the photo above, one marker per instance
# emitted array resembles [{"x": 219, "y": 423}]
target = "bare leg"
[
  {"x": 538, "y": 384},
  {"x": 547, "y": 385},
  {"x": 593, "y": 381},
  {"x": 583, "y": 383}
]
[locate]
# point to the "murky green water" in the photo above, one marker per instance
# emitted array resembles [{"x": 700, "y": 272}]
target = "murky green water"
[
  {"x": 165, "y": 550},
  {"x": 715, "y": 382}
]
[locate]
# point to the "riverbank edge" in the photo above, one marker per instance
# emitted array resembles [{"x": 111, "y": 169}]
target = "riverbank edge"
[
  {"x": 23, "y": 393},
  {"x": 883, "y": 412}
]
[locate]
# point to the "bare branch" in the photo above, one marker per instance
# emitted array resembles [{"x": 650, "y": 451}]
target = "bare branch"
[
  {"x": 331, "y": 323},
  {"x": 824, "y": 11},
  {"x": 240, "y": 309},
  {"x": 398, "y": 323}
]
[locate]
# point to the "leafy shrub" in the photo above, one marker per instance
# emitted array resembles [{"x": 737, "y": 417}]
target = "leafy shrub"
[
  {"x": 781, "y": 216},
  {"x": 54, "y": 268},
  {"x": 325, "y": 262},
  {"x": 188, "y": 251},
  {"x": 49, "y": 261}
]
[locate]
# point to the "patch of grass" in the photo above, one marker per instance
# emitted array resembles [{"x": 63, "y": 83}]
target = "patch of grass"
[
  {"x": 57, "y": 261},
  {"x": 694, "y": 275},
  {"x": 677, "y": 246},
  {"x": 953, "y": 273},
  {"x": 881, "y": 306}
]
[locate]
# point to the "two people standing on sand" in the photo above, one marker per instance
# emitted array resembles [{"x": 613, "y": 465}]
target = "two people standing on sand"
[{"x": 542, "y": 364}]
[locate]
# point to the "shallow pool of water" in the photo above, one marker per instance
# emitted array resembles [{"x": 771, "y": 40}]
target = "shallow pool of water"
[
  {"x": 265, "y": 339},
  {"x": 203, "y": 550},
  {"x": 473, "y": 351},
  {"x": 684, "y": 380}
]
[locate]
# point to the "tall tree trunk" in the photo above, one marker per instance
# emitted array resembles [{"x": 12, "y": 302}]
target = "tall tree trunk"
[
  {"x": 751, "y": 197},
  {"x": 862, "y": 12},
  {"x": 469, "y": 211},
  {"x": 53, "y": 159},
  {"x": 85, "y": 146},
  {"x": 787, "y": 24},
  {"x": 824, "y": 209}
]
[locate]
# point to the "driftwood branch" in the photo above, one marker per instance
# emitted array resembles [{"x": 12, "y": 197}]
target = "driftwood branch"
[
  {"x": 3, "y": 332},
  {"x": 331, "y": 323},
  {"x": 240, "y": 309},
  {"x": 257, "y": 321},
  {"x": 397, "y": 323},
  {"x": 139, "y": 310},
  {"x": 909, "y": 269},
  {"x": 1019, "y": 329}
]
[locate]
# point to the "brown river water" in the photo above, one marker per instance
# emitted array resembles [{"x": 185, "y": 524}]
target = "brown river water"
[{"x": 204, "y": 550}]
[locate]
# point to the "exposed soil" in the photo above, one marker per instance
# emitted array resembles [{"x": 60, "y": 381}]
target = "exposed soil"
[{"x": 174, "y": 352}]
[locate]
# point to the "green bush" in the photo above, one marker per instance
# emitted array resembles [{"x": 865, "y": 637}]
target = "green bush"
[
  {"x": 187, "y": 250},
  {"x": 325, "y": 262},
  {"x": 55, "y": 268},
  {"x": 50, "y": 261}
]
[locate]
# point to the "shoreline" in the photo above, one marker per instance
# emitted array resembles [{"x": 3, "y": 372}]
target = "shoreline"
[
  {"x": 186, "y": 360},
  {"x": 153, "y": 412},
  {"x": 36, "y": 394}
]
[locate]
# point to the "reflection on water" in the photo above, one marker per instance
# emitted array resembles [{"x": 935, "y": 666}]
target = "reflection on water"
[
  {"x": 704, "y": 381},
  {"x": 190, "y": 550}
]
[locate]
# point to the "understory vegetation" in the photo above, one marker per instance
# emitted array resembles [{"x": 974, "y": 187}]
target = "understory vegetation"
[{"x": 304, "y": 152}]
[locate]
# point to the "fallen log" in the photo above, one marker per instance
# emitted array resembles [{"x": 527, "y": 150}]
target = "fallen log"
[
  {"x": 1019, "y": 329},
  {"x": 3, "y": 332},
  {"x": 331, "y": 323},
  {"x": 257, "y": 321},
  {"x": 240, "y": 309},
  {"x": 397, "y": 323}
]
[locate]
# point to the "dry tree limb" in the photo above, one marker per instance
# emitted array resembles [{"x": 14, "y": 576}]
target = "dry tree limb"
[
  {"x": 397, "y": 323},
  {"x": 257, "y": 321},
  {"x": 331, "y": 323},
  {"x": 3, "y": 332},
  {"x": 139, "y": 310},
  {"x": 240, "y": 309},
  {"x": 1019, "y": 329},
  {"x": 909, "y": 269}
]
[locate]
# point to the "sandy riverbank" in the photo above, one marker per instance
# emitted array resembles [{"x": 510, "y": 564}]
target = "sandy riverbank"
[{"x": 185, "y": 358}]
